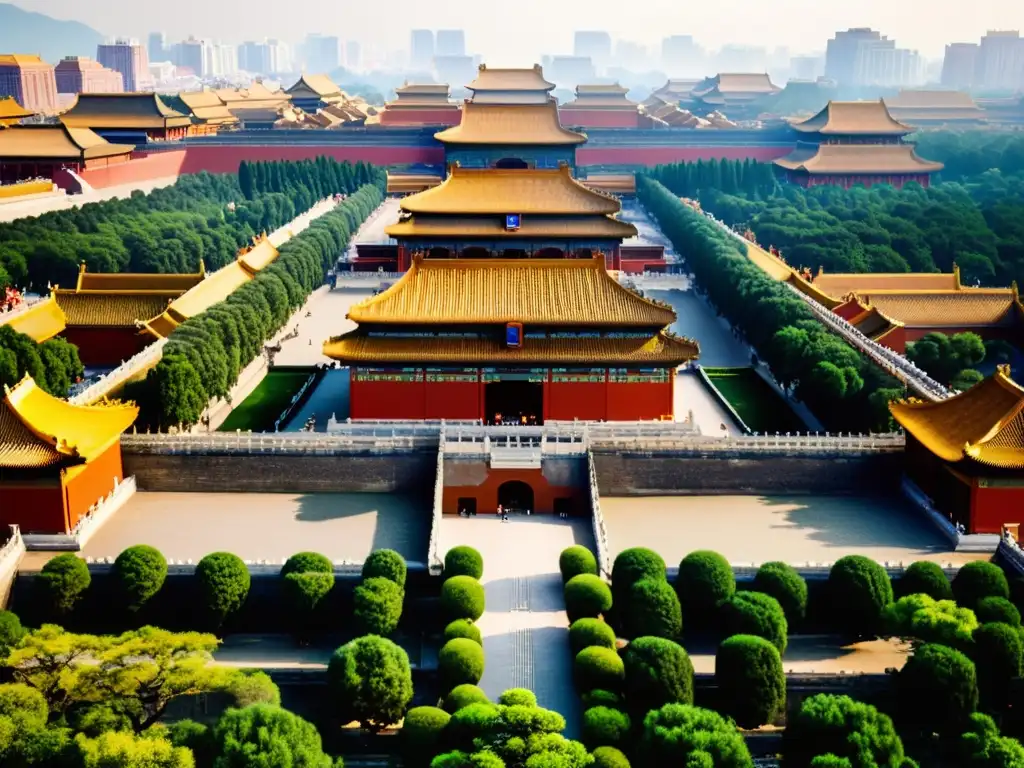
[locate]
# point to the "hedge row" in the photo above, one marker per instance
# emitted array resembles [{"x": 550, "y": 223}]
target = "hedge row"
[{"x": 461, "y": 659}]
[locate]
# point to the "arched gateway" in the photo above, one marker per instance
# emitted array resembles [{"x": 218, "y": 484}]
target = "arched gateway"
[{"x": 515, "y": 496}]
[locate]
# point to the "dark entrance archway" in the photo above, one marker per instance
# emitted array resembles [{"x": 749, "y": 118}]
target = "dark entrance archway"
[
  {"x": 475, "y": 252},
  {"x": 515, "y": 496},
  {"x": 439, "y": 252},
  {"x": 549, "y": 253},
  {"x": 509, "y": 402},
  {"x": 511, "y": 162}
]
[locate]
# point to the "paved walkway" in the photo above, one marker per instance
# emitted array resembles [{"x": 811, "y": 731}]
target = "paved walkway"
[
  {"x": 525, "y": 628},
  {"x": 40, "y": 205},
  {"x": 329, "y": 398}
]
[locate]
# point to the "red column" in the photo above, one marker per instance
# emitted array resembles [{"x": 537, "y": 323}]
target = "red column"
[{"x": 403, "y": 258}]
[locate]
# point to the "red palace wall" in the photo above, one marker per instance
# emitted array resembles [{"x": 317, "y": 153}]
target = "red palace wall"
[
  {"x": 424, "y": 117},
  {"x": 93, "y": 483},
  {"x": 105, "y": 346},
  {"x": 896, "y": 340},
  {"x": 38, "y": 506},
  {"x": 583, "y": 400},
  {"x": 486, "y": 494},
  {"x": 991, "y": 508},
  {"x": 639, "y": 402},
  {"x": 651, "y": 156},
  {"x": 599, "y": 118}
]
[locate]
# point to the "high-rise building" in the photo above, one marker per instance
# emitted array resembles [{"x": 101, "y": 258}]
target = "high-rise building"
[
  {"x": 219, "y": 60},
  {"x": 885, "y": 65},
  {"x": 841, "y": 53},
  {"x": 570, "y": 71},
  {"x": 959, "y": 65},
  {"x": 80, "y": 74},
  {"x": 127, "y": 56},
  {"x": 30, "y": 80},
  {"x": 1000, "y": 65},
  {"x": 323, "y": 53},
  {"x": 421, "y": 49},
  {"x": 157, "y": 47},
  {"x": 353, "y": 55},
  {"x": 629, "y": 55},
  {"x": 191, "y": 55},
  {"x": 681, "y": 56},
  {"x": 450, "y": 42},
  {"x": 806, "y": 67},
  {"x": 595, "y": 45}
]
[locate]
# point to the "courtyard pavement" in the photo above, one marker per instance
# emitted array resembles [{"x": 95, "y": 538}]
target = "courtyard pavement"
[
  {"x": 267, "y": 526},
  {"x": 794, "y": 529},
  {"x": 525, "y": 629}
]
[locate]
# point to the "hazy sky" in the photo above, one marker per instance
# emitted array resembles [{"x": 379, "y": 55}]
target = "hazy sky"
[{"x": 517, "y": 32}]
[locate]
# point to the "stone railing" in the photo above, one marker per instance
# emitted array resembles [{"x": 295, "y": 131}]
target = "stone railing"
[
  {"x": 90, "y": 391},
  {"x": 434, "y": 561},
  {"x": 546, "y": 441},
  {"x": 604, "y": 562},
  {"x": 283, "y": 443},
  {"x": 1010, "y": 553},
  {"x": 10, "y": 557},
  {"x": 604, "y": 437},
  {"x": 300, "y": 397},
  {"x": 345, "y": 276},
  {"x": 103, "y": 509}
]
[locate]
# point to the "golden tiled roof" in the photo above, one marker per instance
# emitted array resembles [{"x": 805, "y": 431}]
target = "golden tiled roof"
[
  {"x": 985, "y": 424},
  {"x": 260, "y": 256},
  {"x": 857, "y": 159},
  {"x": 39, "y": 430},
  {"x": 122, "y": 110},
  {"x": 520, "y": 124},
  {"x": 841, "y": 284},
  {"x": 620, "y": 183},
  {"x": 490, "y": 79},
  {"x": 420, "y": 95},
  {"x": 928, "y": 100},
  {"x": 852, "y": 118},
  {"x": 659, "y": 350},
  {"x": 112, "y": 310},
  {"x": 405, "y": 183},
  {"x": 42, "y": 321},
  {"x": 321, "y": 85},
  {"x": 57, "y": 142},
  {"x": 593, "y": 226},
  {"x": 874, "y": 323},
  {"x": 753, "y": 83},
  {"x": 11, "y": 111},
  {"x": 506, "y": 190},
  {"x": 136, "y": 282},
  {"x": 945, "y": 309},
  {"x": 768, "y": 263},
  {"x": 536, "y": 291}
]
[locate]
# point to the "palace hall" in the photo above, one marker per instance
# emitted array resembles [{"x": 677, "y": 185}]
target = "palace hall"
[{"x": 506, "y": 312}]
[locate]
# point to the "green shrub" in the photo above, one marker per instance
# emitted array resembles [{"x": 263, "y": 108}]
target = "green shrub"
[
  {"x": 586, "y": 632},
  {"x": 474, "y": 721},
  {"x": 11, "y": 632},
  {"x": 385, "y": 564},
  {"x": 251, "y": 686},
  {"x": 25, "y": 703},
  {"x": 997, "y": 653},
  {"x": 609, "y": 757},
  {"x": 378, "y": 605},
  {"x": 924, "y": 619},
  {"x": 463, "y": 561},
  {"x": 62, "y": 582},
  {"x": 462, "y": 597},
  {"x": 982, "y": 746},
  {"x": 518, "y": 697},
  {"x": 462, "y": 696},
  {"x": 924, "y": 578},
  {"x": 705, "y": 581},
  {"x": 139, "y": 572},
  {"x": 751, "y": 681},
  {"x": 977, "y": 580},
  {"x": 658, "y": 672},
  {"x": 604, "y": 727},
  {"x": 997, "y": 609},
  {"x": 597, "y": 667},
  {"x": 576, "y": 560},
  {"x": 859, "y": 589},
  {"x": 684, "y": 735},
  {"x": 371, "y": 681},
  {"x": 422, "y": 733},
  {"x": 782, "y": 582},
  {"x": 307, "y": 562},
  {"x": 937, "y": 690},
  {"x": 838, "y": 725},
  {"x": 259, "y": 735},
  {"x": 652, "y": 610},
  {"x": 463, "y": 628},
  {"x": 223, "y": 585},
  {"x": 631, "y": 566},
  {"x": 459, "y": 662},
  {"x": 755, "y": 613},
  {"x": 304, "y": 592},
  {"x": 599, "y": 698},
  {"x": 586, "y": 596}
]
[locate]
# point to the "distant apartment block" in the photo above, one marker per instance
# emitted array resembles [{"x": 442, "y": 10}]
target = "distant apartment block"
[
  {"x": 681, "y": 56},
  {"x": 862, "y": 56},
  {"x": 323, "y": 53},
  {"x": 127, "y": 56},
  {"x": 1000, "y": 65},
  {"x": 80, "y": 74},
  {"x": 595, "y": 45},
  {"x": 30, "y": 80},
  {"x": 450, "y": 42},
  {"x": 421, "y": 49},
  {"x": 959, "y": 64}
]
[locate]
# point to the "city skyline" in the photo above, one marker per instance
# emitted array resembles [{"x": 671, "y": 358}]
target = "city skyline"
[{"x": 537, "y": 28}]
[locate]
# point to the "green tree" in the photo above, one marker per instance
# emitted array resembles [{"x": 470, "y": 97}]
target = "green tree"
[
  {"x": 930, "y": 621},
  {"x": 62, "y": 582},
  {"x": 982, "y": 746},
  {"x": 610, "y": 757},
  {"x": 859, "y": 589},
  {"x": 307, "y": 579},
  {"x": 127, "y": 750},
  {"x": 997, "y": 653},
  {"x": 139, "y": 572},
  {"x": 460, "y": 662},
  {"x": 462, "y": 696},
  {"x": 587, "y": 632},
  {"x": 463, "y": 561},
  {"x": 681, "y": 734},
  {"x": 264, "y": 735},
  {"x": 657, "y": 672},
  {"x": 633, "y": 565},
  {"x": 997, "y": 609},
  {"x": 704, "y": 583},
  {"x": 223, "y": 584},
  {"x": 387, "y": 564},
  {"x": 597, "y": 667},
  {"x": 781, "y": 581},
  {"x": 422, "y": 734},
  {"x": 586, "y": 596},
  {"x": 576, "y": 560},
  {"x": 751, "y": 681},
  {"x": 924, "y": 578},
  {"x": 977, "y": 580},
  {"x": 462, "y": 597},
  {"x": 11, "y": 632},
  {"x": 605, "y": 727},
  {"x": 652, "y": 608},
  {"x": 252, "y": 686},
  {"x": 463, "y": 628},
  {"x": 838, "y": 725},
  {"x": 755, "y": 613},
  {"x": 371, "y": 680},
  {"x": 937, "y": 690},
  {"x": 378, "y": 605}
]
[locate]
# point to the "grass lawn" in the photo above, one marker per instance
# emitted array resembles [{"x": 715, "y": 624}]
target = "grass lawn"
[
  {"x": 760, "y": 406},
  {"x": 260, "y": 409}
]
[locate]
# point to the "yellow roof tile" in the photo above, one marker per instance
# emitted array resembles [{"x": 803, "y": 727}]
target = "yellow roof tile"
[
  {"x": 658, "y": 350},
  {"x": 113, "y": 310},
  {"x": 12, "y": 111},
  {"x": 519, "y": 124},
  {"x": 536, "y": 291},
  {"x": 42, "y": 321},
  {"x": 593, "y": 226},
  {"x": 53, "y": 430},
  {"x": 260, "y": 256},
  {"x": 857, "y": 159},
  {"x": 985, "y": 424},
  {"x": 57, "y": 142},
  {"x": 853, "y": 118},
  {"x": 840, "y": 284},
  {"x": 136, "y": 282},
  {"x": 321, "y": 85},
  {"x": 500, "y": 191},
  {"x": 927, "y": 100},
  {"x": 944, "y": 309},
  {"x": 492, "y": 79},
  {"x": 122, "y": 110}
]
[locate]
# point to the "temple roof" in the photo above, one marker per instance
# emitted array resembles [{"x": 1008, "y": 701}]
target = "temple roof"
[
  {"x": 40, "y": 430},
  {"x": 660, "y": 349},
  {"x": 511, "y": 190},
  {"x": 944, "y": 309},
  {"x": 984, "y": 425},
  {"x": 567, "y": 292},
  {"x": 11, "y": 111},
  {"x": 599, "y": 227},
  {"x": 111, "y": 310},
  {"x": 42, "y": 321},
  {"x": 928, "y": 100},
  {"x": 207, "y": 106},
  {"x": 135, "y": 282},
  {"x": 853, "y": 118},
  {"x": 122, "y": 110},
  {"x": 432, "y": 95},
  {"x": 600, "y": 96},
  {"x": 510, "y": 80},
  {"x": 857, "y": 159},
  {"x": 840, "y": 284},
  {"x": 868, "y": 319},
  {"x": 57, "y": 142},
  {"x": 521, "y": 124},
  {"x": 729, "y": 84},
  {"x": 321, "y": 85}
]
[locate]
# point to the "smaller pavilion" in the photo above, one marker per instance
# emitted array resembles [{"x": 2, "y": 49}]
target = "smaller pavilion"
[
  {"x": 315, "y": 92},
  {"x": 739, "y": 95},
  {"x": 966, "y": 453},
  {"x": 873, "y": 323},
  {"x": 11, "y": 112},
  {"x": 134, "y": 117},
  {"x": 511, "y": 86},
  {"x": 32, "y": 151},
  {"x": 208, "y": 112},
  {"x": 854, "y": 142},
  {"x": 418, "y": 104},
  {"x": 924, "y": 108},
  {"x": 57, "y": 460},
  {"x": 600, "y": 106}
]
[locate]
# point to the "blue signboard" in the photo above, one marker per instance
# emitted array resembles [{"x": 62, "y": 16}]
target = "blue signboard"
[
  {"x": 512, "y": 221},
  {"x": 514, "y": 335}
]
